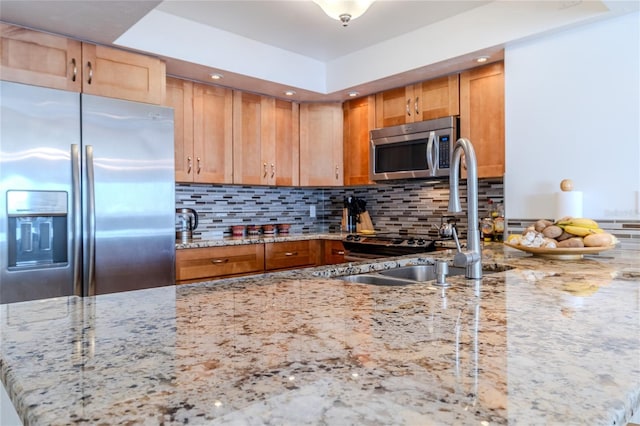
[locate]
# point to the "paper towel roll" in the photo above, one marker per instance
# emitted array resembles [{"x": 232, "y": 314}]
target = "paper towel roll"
[{"x": 568, "y": 203}]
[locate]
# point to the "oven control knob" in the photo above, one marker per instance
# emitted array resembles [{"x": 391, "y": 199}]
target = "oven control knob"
[
  {"x": 356, "y": 238},
  {"x": 397, "y": 241},
  {"x": 411, "y": 241},
  {"x": 349, "y": 237},
  {"x": 422, "y": 241}
]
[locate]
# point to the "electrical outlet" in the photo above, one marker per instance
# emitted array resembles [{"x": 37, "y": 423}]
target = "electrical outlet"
[{"x": 312, "y": 211}]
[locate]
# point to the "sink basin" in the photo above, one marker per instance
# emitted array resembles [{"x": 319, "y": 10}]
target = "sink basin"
[
  {"x": 376, "y": 279},
  {"x": 419, "y": 272}
]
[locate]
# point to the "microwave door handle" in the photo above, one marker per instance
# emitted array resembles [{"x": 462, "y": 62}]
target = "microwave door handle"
[{"x": 430, "y": 151}]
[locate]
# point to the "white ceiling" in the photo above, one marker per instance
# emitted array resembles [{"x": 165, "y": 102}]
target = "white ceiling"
[{"x": 268, "y": 46}]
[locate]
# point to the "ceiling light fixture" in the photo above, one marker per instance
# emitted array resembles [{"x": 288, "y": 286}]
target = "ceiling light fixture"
[
  {"x": 353, "y": 94},
  {"x": 481, "y": 59},
  {"x": 215, "y": 76},
  {"x": 344, "y": 10},
  {"x": 290, "y": 92}
]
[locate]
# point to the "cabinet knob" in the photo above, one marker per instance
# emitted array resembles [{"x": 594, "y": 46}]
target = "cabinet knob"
[
  {"x": 409, "y": 107},
  {"x": 416, "y": 103},
  {"x": 264, "y": 169},
  {"x": 199, "y": 168},
  {"x": 273, "y": 170},
  {"x": 189, "y": 164},
  {"x": 337, "y": 172}
]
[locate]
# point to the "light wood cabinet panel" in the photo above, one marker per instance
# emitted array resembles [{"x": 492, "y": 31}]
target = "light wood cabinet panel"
[
  {"x": 333, "y": 252},
  {"x": 292, "y": 254},
  {"x": 212, "y": 134},
  {"x": 321, "y": 156},
  {"x": 287, "y": 129},
  {"x": 359, "y": 119},
  {"x": 40, "y": 59},
  {"x": 119, "y": 74},
  {"x": 253, "y": 139},
  {"x": 427, "y": 100},
  {"x": 217, "y": 262},
  {"x": 180, "y": 97},
  {"x": 482, "y": 116}
]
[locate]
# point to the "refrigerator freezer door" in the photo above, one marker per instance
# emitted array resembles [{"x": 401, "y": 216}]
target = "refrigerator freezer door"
[
  {"x": 129, "y": 195},
  {"x": 38, "y": 127}
]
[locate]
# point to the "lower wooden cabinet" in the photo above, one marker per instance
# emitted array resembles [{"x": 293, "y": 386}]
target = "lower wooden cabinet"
[
  {"x": 292, "y": 254},
  {"x": 333, "y": 252},
  {"x": 201, "y": 264},
  {"x": 218, "y": 262}
]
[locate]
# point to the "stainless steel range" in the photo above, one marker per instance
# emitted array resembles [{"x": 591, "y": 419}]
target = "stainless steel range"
[{"x": 362, "y": 247}]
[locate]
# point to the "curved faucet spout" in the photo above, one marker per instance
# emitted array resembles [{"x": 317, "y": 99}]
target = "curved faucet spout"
[{"x": 472, "y": 258}]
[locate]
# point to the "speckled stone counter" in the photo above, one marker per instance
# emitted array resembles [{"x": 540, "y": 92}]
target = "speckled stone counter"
[
  {"x": 546, "y": 342},
  {"x": 255, "y": 239}
]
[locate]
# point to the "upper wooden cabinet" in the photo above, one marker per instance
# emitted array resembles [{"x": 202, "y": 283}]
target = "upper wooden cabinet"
[
  {"x": 180, "y": 97},
  {"x": 359, "y": 119},
  {"x": 418, "y": 102},
  {"x": 265, "y": 140},
  {"x": 124, "y": 75},
  {"x": 482, "y": 116},
  {"x": 202, "y": 131},
  {"x": 212, "y": 134},
  {"x": 321, "y": 156},
  {"x": 41, "y": 59}
]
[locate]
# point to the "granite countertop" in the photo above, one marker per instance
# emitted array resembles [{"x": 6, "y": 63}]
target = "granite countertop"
[
  {"x": 546, "y": 342},
  {"x": 256, "y": 239}
]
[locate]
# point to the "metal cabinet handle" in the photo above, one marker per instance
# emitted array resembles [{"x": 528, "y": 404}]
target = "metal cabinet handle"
[
  {"x": 264, "y": 169},
  {"x": 90, "y": 78},
  {"x": 416, "y": 105},
  {"x": 340, "y": 252},
  {"x": 199, "y": 168},
  {"x": 409, "y": 107},
  {"x": 273, "y": 170},
  {"x": 75, "y": 69},
  {"x": 337, "y": 173},
  {"x": 289, "y": 253},
  {"x": 218, "y": 261},
  {"x": 189, "y": 164}
]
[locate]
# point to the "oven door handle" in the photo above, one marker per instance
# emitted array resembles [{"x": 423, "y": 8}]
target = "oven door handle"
[{"x": 432, "y": 153}]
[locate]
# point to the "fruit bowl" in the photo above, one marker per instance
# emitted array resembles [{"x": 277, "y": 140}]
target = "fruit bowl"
[{"x": 568, "y": 253}]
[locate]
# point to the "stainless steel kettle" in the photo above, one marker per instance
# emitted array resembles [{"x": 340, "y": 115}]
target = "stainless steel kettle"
[
  {"x": 446, "y": 227},
  {"x": 186, "y": 223}
]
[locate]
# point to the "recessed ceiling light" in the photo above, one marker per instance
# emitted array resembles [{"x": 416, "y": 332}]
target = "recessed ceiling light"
[
  {"x": 290, "y": 92},
  {"x": 481, "y": 59},
  {"x": 354, "y": 94},
  {"x": 215, "y": 76}
]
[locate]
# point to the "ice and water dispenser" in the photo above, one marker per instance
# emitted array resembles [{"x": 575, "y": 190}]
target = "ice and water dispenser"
[{"x": 37, "y": 231}]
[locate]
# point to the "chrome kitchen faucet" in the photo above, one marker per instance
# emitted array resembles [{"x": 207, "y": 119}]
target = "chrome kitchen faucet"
[{"x": 472, "y": 258}]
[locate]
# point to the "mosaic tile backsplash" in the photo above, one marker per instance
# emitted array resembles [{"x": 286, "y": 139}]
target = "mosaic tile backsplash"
[{"x": 402, "y": 207}]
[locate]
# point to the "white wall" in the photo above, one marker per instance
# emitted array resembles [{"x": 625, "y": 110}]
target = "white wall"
[{"x": 572, "y": 106}]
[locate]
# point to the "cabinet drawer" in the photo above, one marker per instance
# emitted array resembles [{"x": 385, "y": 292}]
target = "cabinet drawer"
[
  {"x": 217, "y": 262},
  {"x": 333, "y": 252},
  {"x": 292, "y": 254}
]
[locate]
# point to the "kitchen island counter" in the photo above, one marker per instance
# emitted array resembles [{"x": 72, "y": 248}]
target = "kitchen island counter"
[{"x": 546, "y": 342}]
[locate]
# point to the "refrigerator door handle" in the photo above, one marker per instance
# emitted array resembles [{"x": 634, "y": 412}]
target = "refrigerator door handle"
[
  {"x": 76, "y": 209},
  {"x": 90, "y": 279}
]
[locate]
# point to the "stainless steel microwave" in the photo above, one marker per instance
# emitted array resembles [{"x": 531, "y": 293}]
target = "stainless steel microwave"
[{"x": 415, "y": 150}]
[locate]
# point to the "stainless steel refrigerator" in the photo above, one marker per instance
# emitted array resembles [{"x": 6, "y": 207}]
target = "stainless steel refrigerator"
[{"x": 88, "y": 200}]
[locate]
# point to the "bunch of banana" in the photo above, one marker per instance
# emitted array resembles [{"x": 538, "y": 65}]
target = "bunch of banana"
[{"x": 580, "y": 227}]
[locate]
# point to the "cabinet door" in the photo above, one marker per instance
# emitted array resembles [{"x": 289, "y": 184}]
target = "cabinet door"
[
  {"x": 212, "y": 134},
  {"x": 333, "y": 252},
  {"x": 40, "y": 59},
  {"x": 321, "y": 145},
  {"x": 482, "y": 116},
  {"x": 437, "y": 98},
  {"x": 359, "y": 119},
  {"x": 287, "y": 165},
  {"x": 394, "y": 107},
  {"x": 180, "y": 98},
  {"x": 119, "y": 74},
  {"x": 292, "y": 254},
  {"x": 253, "y": 139},
  {"x": 217, "y": 262}
]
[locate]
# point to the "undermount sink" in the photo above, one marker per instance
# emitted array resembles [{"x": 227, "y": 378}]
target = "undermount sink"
[
  {"x": 405, "y": 275},
  {"x": 420, "y": 272}
]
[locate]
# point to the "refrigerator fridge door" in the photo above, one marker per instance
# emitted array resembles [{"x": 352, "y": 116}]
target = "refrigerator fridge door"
[
  {"x": 129, "y": 195},
  {"x": 39, "y": 129}
]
